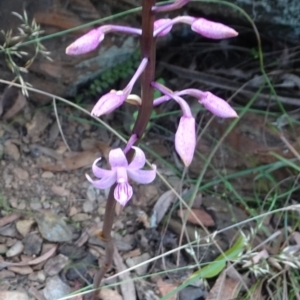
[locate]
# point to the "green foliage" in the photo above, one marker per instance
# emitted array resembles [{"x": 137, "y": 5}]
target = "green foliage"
[
  {"x": 28, "y": 31},
  {"x": 108, "y": 78}
]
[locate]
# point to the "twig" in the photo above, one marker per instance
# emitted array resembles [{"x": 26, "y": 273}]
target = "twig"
[{"x": 59, "y": 125}]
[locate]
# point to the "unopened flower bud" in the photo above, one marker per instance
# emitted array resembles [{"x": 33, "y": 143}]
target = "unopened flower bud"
[
  {"x": 217, "y": 106},
  {"x": 213, "y": 30},
  {"x": 109, "y": 102},
  {"x": 86, "y": 43},
  {"x": 185, "y": 139}
]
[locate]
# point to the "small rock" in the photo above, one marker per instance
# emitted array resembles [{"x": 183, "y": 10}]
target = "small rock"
[
  {"x": 13, "y": 202},
  {"x": 55, "y": 288},
  {"x": 12, "y": 151},
  {"x": 53, "y": 227},
  {"x": 13, "y": 295},
  {"x": 35, "y": 205},
  {"x": 21, "y": 270},
  {"x": 3, "y": 248},
  {"x": 21, "y": 205},
  {"x": 55, "y": 264},
  {"x": 8, "y": 179},
  {"x": 10, "y": 242},
  {"x": 88, "y": 206},
  {"x": 16, "y": 249},
  {"x": 9, "y": 230},
  {"x": 74, "y": 253},
  {"x": 32, "y": 244},
  {"x": 39, "y": 276},
  {"x": 91, "y": 193},
  {"x": 80, "y": 217},
  {"x": 24, "y": 226},
  {"x": 4, "y": 274},
  {"x": 73, "y": 211},
  {"x": 109, "y": 294},
  {"x": 81, "y": 267},
  {"x": 88, "y": 144},
  {"x": 47, "y": 174},
  {"x": 60, "y": 191},
  {"x": 137, "y": 260},
  {"x": 192, "y": 293},
  {"x": 21, "y": 174},
  {"x": 38, "y": 124}
]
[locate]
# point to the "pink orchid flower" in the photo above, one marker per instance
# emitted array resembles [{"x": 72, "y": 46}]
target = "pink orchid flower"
[{"x": 119, "y": 173}]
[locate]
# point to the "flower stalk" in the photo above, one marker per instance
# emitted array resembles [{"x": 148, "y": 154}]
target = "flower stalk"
[{"x": 148, "y": 51}]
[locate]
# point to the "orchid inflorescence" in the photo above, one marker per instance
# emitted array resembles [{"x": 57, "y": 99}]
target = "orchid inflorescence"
[{"x": 185, "y": 137}]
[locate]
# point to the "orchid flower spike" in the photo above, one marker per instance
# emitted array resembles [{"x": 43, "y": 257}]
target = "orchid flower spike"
[
  {"x": 119, "y": 173},
  {"x": 112, "y": 100}
]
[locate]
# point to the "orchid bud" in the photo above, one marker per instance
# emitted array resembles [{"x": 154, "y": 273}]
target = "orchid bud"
[
  {"x": 213, "y": 30},
  {"x": 217, "y": 106},
  {"x": 109, "y": 102},
  {"x": 86, "y": 43},
  {"x": 162, "y": 23},
  {"x": 185, "y": 139}
]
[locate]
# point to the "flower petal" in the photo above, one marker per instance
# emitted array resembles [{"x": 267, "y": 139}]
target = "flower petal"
[
  {"x": 142, "y": 176},
  {"x": 86, "y": 43},
  {"x": 217, "y": 106},
  {"x": 99, "y": 172},
  {"x": 162, "y": 23},
  {"x": 117, "y": 158},
  {"x": 103, "y": 183},
  {"x": 108, "y": 103},
  {"x": 212, "y": 30},
  {"x": 123, "y": 192},
  {"x": 185, "y": 139},
  {"x": 139, "y": 159}
]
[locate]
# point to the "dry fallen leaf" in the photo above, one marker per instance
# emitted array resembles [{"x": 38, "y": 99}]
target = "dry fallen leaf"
[
  {"x": 108, "y": 294},
  {"x": 127, "y": 285},
  {"x": 225, "y": 288},
  {"x": 19, "y": 104},
  {"x": 72, "y": 161},
  {"x": 200, "y": 215},
  {"x": 161, "y": 206},
  {"x": 166, "y": 287},
  {"x": 8, "y": 219},
  {"x": 35, "y": 261}
]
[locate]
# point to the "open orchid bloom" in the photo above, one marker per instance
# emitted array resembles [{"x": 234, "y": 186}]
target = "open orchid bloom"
[{"x": 120, "y": 172}]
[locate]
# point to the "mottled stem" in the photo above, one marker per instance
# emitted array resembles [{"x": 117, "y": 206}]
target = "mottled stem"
[{"x": 148, "y": 49}]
